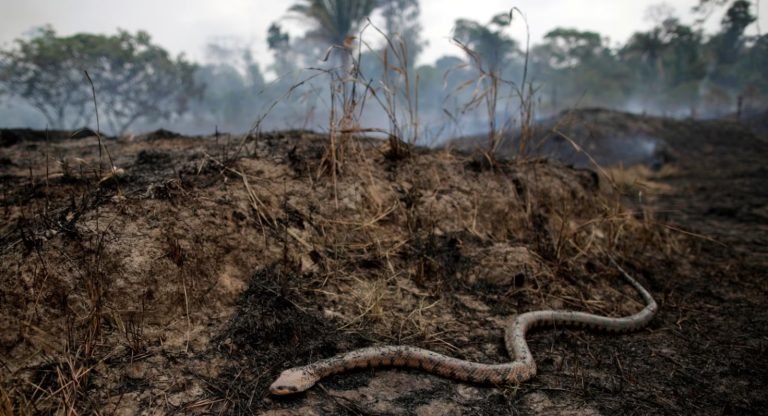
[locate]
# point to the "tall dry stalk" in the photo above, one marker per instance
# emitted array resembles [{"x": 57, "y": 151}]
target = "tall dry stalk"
[
  {"x": 490, "y": 83},
  {"x": 400, "y": 88}
]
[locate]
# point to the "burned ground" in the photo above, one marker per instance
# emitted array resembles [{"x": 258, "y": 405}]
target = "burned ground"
[{"x": 184, "y": 279}]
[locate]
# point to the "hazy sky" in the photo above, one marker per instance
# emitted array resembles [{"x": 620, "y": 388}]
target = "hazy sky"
[{"x": 188, "y": 25}]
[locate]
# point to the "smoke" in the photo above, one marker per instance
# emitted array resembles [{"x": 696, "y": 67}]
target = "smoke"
[{"x": 239, "y": 96}]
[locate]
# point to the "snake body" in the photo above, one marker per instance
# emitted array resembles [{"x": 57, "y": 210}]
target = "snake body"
[{"x": 522, "y": 368}]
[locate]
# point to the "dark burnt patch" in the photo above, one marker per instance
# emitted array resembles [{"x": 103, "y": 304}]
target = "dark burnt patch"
[
  {"x": 438, "y": 259},
  {"x": 275, "y": 328}
]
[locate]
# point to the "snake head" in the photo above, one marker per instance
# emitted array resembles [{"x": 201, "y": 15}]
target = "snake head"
[{"x": 293, "y": 380}]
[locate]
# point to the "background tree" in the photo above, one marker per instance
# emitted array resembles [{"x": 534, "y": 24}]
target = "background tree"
[
  {"x": 682, "y": 54},
  {"x": 39, "y": 71},
  {"x": 134, "y": 78},
  {"x": 728, "y": 43},
  {"x": 279, "y": 43},
  {"x": 756, "y": 61},
  {"x": 575, "y": 67},
  {"x": 705, "y": 7},
  {"x": 494, "y": 47},
  {"x": 571, "y": 47},
  {"x": 334, "y": 21},
  {"x": 233, "y": 82},
  {"x": 731, "y": 74},
  {"x": 646, "y": 48},
  {"x": 438, "y": 97},
  {"x": 402, "y": 21}
]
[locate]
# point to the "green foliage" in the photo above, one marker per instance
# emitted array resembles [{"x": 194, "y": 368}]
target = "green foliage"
[
  {"x": 571, "y": 47},
  {"x": 683, "y": 57},
  {"x": 672, "y": 68},
  {"x": 756, "y": 61},
  {"x": 134, "y": 79},
  {"x": 494, "y": 47},
  {"x": 667, "y": 56},
  {"x": 727, "y": 49},
  {"x": 574, "y": 67},
  {"x": 730, "y": 40},
  {"x": 276, "y": 38}
]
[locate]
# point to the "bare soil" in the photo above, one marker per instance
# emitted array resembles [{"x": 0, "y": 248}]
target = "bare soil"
[{"x": 186, "y": 277}]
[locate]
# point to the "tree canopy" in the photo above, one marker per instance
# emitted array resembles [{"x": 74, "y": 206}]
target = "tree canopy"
[
  {"x": 673, "y": 68},
  {"x": 134, "y": 79},
  {"x": 489, "y": 42}
]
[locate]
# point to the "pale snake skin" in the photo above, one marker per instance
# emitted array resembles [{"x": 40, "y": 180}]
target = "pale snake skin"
[{"x": 523, "y": 367}]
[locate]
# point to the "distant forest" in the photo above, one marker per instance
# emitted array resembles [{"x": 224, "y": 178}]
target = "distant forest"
[{"x": 365, "y": 50}]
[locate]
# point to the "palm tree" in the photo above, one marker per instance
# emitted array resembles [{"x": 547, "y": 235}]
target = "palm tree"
[{"x": 334, "y": 20}]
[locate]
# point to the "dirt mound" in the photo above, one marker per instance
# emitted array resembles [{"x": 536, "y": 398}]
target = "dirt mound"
[
  {"x": 183, "y": 274},
  {"x": 758, "y": 122},
  {"x": 611, "y": 138},
  {"x": 10, "y": 137}
]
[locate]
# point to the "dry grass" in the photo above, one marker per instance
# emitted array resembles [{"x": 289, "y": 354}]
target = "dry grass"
[
  {"x": 639, "y": 180},
  {"x": 389, "y": 254},
  {"x": 488, "y": 91},
  {"x": 398, "y": 87},
  {"x": 401, "y": 246}
]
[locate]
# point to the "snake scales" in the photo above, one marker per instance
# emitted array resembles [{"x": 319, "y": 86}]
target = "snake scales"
[{"x": 522, "y": 368}]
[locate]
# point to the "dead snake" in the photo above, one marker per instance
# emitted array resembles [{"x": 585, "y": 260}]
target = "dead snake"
[{"x": 523, "y": 367}]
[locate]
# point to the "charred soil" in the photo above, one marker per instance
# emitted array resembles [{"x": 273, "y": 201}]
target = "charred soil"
[{"x": 169, "y": 274}]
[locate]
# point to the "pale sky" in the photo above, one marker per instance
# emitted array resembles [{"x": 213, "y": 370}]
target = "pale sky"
[{"x": 188, "y": 25}]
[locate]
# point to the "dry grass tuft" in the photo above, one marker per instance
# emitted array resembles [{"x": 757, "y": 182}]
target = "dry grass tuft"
[
  {"x": 488, "y": 91},
  {"x": 350, "y": 243}
]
